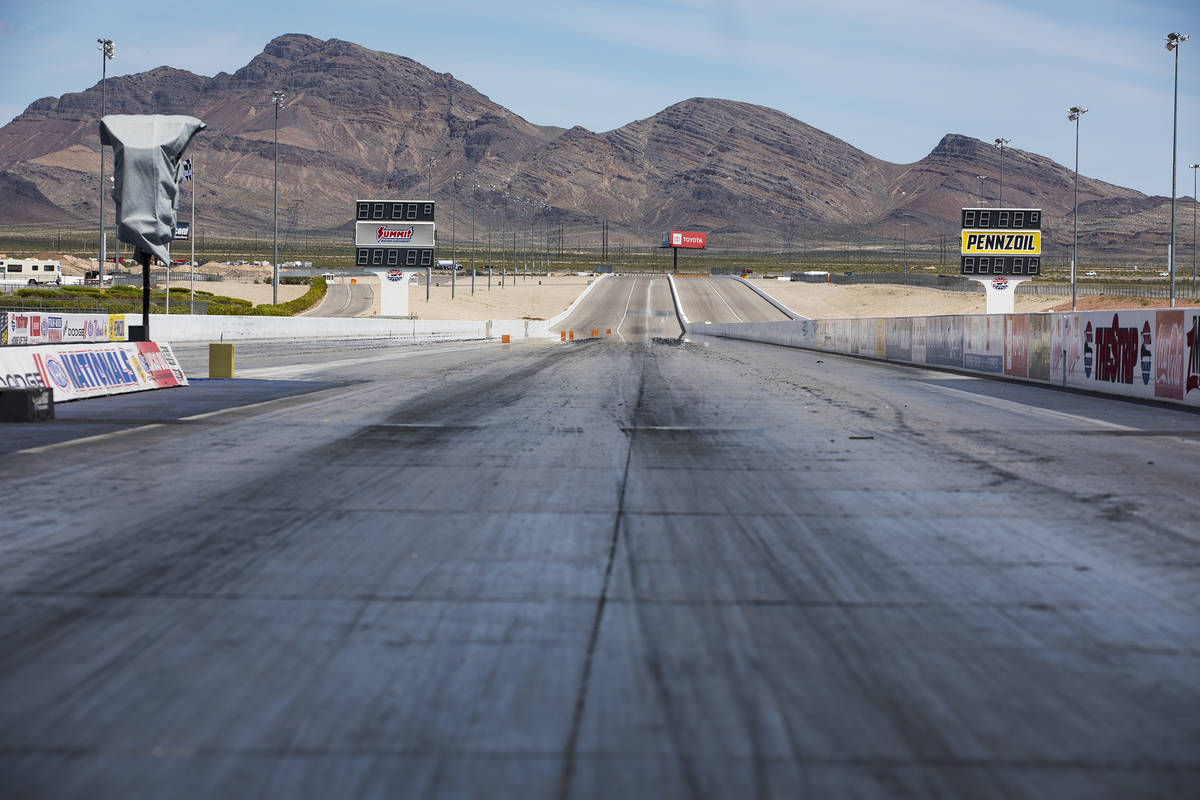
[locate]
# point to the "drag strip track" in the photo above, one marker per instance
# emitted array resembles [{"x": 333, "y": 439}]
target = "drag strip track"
[
  {"x": 634, "y": 308},
  {"x": 344, "y": 300},
  {"x": 723, "y": 300},
  {"x": 608, "y": 569}
]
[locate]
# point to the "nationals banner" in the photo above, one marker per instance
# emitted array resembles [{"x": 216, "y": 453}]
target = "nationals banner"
[{"x": 92, "y": 370}]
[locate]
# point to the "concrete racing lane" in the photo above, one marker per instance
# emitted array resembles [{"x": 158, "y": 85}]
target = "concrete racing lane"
[{"x": 615, "y": 568}]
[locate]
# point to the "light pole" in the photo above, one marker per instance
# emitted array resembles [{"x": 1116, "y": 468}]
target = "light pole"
[
  {"x": 276, "y": 98},
  {"x": 981, "y": 180},
  {"x": 1173, "y": 42},
  {"x": 1000, "y": 143},
  {"x": 474, "y": 192},
  {"x": 106, "y": 54},
  {"x": 1193, "y": 168},
  {"x": 453, "y": 206},
  {"x": 1073, "y": 115},
  {"x": 429, "y": 177}
]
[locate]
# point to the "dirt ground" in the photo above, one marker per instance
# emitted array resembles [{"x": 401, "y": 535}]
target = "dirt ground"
[
  {"x": 518, "y": 298},
  {"x": 834, "y": 301},
  {"x": 1104, "y": 302}
]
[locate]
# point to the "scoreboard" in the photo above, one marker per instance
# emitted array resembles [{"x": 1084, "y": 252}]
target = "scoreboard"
[
  {"x": 394, "y": 233},
  {"x": 1001, "y": 241},
  {"x": 394, "y": 211}
]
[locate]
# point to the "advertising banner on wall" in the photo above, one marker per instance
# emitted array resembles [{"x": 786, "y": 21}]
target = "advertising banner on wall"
[
  {"x": 41, "y": 327},
  {"x": 1151, "y": 354},
  {"x": 76, "y": 371}
]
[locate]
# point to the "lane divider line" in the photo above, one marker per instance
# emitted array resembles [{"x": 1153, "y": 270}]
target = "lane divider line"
[{"x": 791, "y": 314}]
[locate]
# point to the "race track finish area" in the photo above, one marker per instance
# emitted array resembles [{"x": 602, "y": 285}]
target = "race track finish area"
[
  {"x": 639, "y": 568},
  {"x": 635, "y": 309},
  {"x": 723, "y": 300}
]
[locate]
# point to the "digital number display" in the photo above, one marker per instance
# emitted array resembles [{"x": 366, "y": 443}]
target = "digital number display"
[
  {"x": 1001, "y": 265},
  {"x": 393, "y": 257},
  {"x": 394, "y": 210},
  {"x": 1013, "y": 219}
]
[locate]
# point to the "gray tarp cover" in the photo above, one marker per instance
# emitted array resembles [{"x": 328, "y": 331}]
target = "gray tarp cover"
[{"x": 147, "y": 150}]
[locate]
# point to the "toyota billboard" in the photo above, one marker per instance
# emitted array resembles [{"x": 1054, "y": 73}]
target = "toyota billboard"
[{"x": 683, "y": 239}]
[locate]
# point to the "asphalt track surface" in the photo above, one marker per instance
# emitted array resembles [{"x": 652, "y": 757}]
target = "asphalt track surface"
[
  {"x": 639, "y": 568},
  {"x": 723, "y": 300},
  {"x": 344, "y": 300}
]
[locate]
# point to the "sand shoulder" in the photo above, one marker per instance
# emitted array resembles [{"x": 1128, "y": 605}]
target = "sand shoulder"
[{"x": 836, "y": 301}]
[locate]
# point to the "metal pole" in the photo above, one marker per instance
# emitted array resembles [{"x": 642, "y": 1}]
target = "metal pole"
[
  {"x": 1173, "y": 42},
  {"x": 192, "y": 237},
  {"x": 453, "y": 206},
  {"x": 906, "y": 249},
  {"x": 1000, "y": 143},
  {"x": 1194, "y": 167},
  {"x": 106, "y": 53},
  {"x": 1075, "y": 114},
  {"x": 276, "y": 98},
  {"x": 474, "y": 191}
]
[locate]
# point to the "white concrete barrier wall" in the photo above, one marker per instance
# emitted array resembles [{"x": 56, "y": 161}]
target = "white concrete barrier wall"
[
  {"x": 1151, "y": 354},
  {"x": 555, "y": 320},
  {"x": 203, "y": 328}
]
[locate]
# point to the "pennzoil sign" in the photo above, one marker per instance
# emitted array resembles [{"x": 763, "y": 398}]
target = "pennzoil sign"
[{"x": 1001, "y": 243}]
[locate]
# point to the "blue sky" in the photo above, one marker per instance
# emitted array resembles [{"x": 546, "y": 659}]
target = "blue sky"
[{"x": 890, "y": 78}]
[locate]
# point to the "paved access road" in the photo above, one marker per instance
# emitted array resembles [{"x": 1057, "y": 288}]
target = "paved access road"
[
  {"x": 607, "y": 569},
  {"x": 345, "y": 299},
  {"x": 723, "y": 300}
]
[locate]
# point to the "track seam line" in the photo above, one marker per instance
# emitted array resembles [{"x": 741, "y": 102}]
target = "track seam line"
[
  {"x": 628, "y": 300},
  {"x": 568, "y": 772}
]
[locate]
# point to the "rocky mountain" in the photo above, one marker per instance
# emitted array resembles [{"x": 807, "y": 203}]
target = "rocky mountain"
[{"x": 359, "y": 123}]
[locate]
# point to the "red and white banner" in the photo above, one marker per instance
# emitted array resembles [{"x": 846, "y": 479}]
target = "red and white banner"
[
  {"x": 691, "y": 239},
  {"x": 92, "y": 370}
]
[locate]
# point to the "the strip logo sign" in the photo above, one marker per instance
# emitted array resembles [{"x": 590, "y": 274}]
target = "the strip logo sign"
[{"x": 1002, "y": 243}]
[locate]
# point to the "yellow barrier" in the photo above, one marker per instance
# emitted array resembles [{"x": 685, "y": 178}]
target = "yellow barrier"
[{"x": 220, "y": 359}]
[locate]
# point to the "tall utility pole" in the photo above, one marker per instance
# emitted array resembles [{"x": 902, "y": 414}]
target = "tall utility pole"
[
  {"x": 453, "y": 206},
  {"x": 1000, "y": 144},
  {"x": 1073, "y": 115},
  {"x": 429, "y": 177},
  {"x": 982, "y": 178},
  {"x": 276, "y": 98},
  {"x": 1173, "y": 42},
  {"x": 106, "y": 54},
  {"x": 474, "y": 192},
  {"x": 1193, "y": 168}
]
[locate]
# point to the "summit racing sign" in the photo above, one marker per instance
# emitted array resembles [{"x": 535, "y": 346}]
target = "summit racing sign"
[
  {"x": 386, "y": 233},
  {"x": 393, "y": 234},
  {"x": 1001, "y": 243}
]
